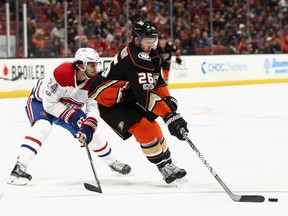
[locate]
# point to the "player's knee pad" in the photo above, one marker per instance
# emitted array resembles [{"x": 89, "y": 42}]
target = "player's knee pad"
[
  {"x": 143, "y": 131},
  {"x": 40, "y": 130},
  {"x": 157, "y": 130}
]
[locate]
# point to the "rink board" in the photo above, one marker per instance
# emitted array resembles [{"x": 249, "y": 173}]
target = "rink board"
[{"x": 194, "y": 71}]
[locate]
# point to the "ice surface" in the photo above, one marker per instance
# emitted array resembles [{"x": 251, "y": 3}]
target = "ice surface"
[{"x": 242, "y": 131}]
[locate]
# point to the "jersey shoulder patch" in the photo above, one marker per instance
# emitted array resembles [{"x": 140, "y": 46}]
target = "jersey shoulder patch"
[
  {"x": 64, "y": 74},
  {"x": 139, "y": 58}
]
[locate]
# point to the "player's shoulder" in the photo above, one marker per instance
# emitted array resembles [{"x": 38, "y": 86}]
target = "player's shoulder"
[
  {"x": 154, "y": 54},
  {"x": 139, "y": 58},
  {"x": 96, "y": 82},
  {"x": 64, "y": 74}
]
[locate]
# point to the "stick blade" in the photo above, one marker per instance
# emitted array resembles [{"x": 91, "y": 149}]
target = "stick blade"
[
  {"x": 92, "y": 188},
  {"x": 252, "y": 198}
]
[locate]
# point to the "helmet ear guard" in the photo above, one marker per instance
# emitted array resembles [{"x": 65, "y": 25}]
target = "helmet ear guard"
[{"x": 78, "y": 65}]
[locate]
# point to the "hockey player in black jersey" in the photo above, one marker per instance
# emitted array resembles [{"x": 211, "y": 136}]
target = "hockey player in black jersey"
[
  {"x": 166, "y": 49},
  {"x": 131, "y": 94}
]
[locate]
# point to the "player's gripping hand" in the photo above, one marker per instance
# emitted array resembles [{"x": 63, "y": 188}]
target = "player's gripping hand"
[
  {"x": 86, "y": 131},
  {"x": 178, "y": 60},
  {"x": 171, "y": 102},
  {"x": 175, "y": 123},
  {"x": 74, "y": 117}
]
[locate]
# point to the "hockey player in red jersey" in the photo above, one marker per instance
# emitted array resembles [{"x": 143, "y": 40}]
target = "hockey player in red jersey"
[
  {"x": 165, "y": 50},
  {"x": 59, "y": 100},
  {"x": 131, "y": 94}
]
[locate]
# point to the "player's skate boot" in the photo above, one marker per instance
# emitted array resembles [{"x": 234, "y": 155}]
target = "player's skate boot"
[
  {"x": 179, "y": 172},
  {"x": 167, "y": 173},
  {"x": 120, "y": 167},
  {"x": 18, "y": 176}
]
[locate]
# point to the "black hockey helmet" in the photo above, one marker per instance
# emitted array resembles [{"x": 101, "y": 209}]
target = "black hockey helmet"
[
  {"x": 162, "y": 36},
  {"x": 143, "y": 29}
]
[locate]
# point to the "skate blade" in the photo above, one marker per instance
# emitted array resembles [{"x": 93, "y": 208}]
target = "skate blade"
[
  {"x": 18, "y": 181},
  {"x": 181, "y": 181},
  {"x": 121, "y": 173}
]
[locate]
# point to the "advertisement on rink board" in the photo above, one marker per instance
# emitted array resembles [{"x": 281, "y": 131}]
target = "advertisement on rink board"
[
  {"x": 18, "y": 76},
  {"x": 218, "y": 70}
]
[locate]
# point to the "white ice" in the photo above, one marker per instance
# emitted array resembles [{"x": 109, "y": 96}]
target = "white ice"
[{"x": 242, "y": 131}]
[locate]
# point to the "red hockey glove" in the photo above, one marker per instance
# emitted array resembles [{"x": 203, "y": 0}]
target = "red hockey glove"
[{"x": 74, "y": 117}]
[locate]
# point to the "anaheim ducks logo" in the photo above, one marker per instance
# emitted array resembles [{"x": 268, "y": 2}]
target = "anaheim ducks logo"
[
  {"x": 144, "y": 56},
  {"x": 121, "y": 125}
]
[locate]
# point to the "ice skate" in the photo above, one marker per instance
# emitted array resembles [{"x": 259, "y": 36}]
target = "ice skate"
[
  {"x": 120, "y": 167},
  {"x": 179, "y": 172},
  {"x": 18, "y": 175},
  {"x": 167, "y": 174}
]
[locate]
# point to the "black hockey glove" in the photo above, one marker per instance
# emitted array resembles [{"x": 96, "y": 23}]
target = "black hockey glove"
[
  {"x": 171, "y": 102},
  {"x": 175, "y": 123},
  {"x": 178, "y": 60}
]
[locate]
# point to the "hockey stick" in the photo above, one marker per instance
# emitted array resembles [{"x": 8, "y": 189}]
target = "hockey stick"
[
  {"x": 89, "y": 186},
  {"x": 234, "y": 197},
  {"x": 13, "y": 79}
]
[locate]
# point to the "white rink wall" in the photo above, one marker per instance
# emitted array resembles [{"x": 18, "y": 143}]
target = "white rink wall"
[{"x": 194, "y": 71}]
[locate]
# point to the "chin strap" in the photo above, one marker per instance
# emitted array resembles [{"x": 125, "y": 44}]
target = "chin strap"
[
  {"x": 83, "y": 70},
  {"x": 84, "y": 73}
]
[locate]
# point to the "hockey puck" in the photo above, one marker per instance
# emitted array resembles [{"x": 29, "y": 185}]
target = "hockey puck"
[{"x": 273, "y": 200}]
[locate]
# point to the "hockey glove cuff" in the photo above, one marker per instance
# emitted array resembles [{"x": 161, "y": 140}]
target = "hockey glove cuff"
[
  {"x": 171, "y": 102},
  {"x": 74, "y": 117}
]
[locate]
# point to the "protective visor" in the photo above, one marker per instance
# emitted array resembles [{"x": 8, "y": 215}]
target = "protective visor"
[{"x": 152, "y": 42}]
